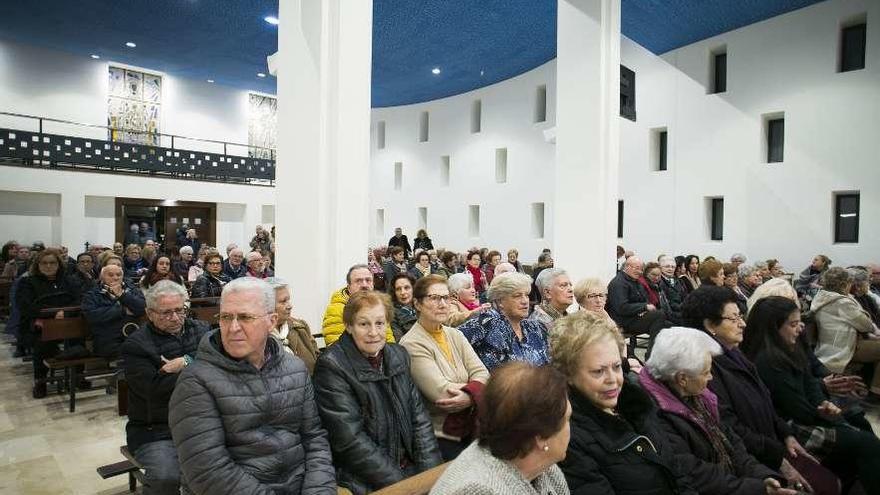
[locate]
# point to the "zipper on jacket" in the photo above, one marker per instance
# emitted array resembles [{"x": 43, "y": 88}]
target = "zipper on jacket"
[{"x": 636, "y": 439}]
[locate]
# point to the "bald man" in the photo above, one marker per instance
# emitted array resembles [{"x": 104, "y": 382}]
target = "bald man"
[{"x": 628, "y": 304}]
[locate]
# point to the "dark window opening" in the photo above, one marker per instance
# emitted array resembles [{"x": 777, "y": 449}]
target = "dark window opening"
[
  {"x": 852, "y": 47},
  {"x": 720, "y": 73},
  {"x": 846, "y": 218},
  {"x": 661, "y": 152},
  {"x": 620, "y": 218},
  {"x": 775, "y": 140},
  {"x": 627, "y": 93},
  {"x": 717, "y": 219}
]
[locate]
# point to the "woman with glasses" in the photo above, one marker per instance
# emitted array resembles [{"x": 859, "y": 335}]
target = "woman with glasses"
[
  {"x": 445, "y": 367},
  {"x": 591, "y": 295},
  {"x": 743, "y": 399},
  {"x": 211, "y": 282}
]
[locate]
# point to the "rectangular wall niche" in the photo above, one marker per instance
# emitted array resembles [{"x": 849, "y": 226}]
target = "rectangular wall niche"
[
  {"x": 445, "y": 170},
  {"x": 476, "y": 116},
  {"x": 538, "y": 220},
  {"x": 540, "y": 113},
  {"x": 380, "y": 222},
  {"x": 627, "y": 93},
  {"x": 380, "y": 135},
  {"x": 620, "y": 219},
  {"x": 658, "y": 149},
  {"x": 774, "y": 137},
  {"x": 423, "y": 127},
  {"x": 398, "y": 175},
  {"x": 846, "y": 217},
  {"x": 718, "y": 70},
  {"x": 716, "y": 218},
  {"x": 853, "y": 37},
  {"x": 474, "y": 221},
  {"x": 423, "y": 217},
  {"x": 501, "y": 165}
]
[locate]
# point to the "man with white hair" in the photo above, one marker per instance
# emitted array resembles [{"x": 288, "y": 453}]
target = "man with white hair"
[
  {"x": 244, "y": 417},
  {"x": 628, "y": 304},
  {"x": 234, "y": 266},
  {"x": 256, "y": 268},
  {"x": 738, "y": 259}
]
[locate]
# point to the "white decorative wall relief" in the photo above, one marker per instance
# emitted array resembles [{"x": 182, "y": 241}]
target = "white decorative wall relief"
[
  {"x": 262, "y": 125},
  {"x": 134, "y": 106}
]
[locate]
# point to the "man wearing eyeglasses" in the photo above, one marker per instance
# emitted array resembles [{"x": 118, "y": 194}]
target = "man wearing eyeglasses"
[
  {"x": 153, "y": 356},
  {"x": 244, "y": 417}
]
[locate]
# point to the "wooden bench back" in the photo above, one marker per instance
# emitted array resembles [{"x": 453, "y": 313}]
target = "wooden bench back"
[
  {"x": 63, "y": 328},
  {"x": 205, "y": 309},
  {"x": 419, "y": 484}
]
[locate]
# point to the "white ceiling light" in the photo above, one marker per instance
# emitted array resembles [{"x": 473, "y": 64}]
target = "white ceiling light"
[
  {"x": 211, "y": 81},
  {"x": 271, "y": 19},
  {"x": 96, "y": 57},
  {"x": 130, "y": 44},
  {"x": 260, "y": 74},
  {"x": 435, "y": 70}
]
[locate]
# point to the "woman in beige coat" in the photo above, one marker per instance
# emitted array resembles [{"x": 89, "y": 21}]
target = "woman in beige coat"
[
  {"x": 293, "y": 334},
  {"x": 445, "y": 367}
]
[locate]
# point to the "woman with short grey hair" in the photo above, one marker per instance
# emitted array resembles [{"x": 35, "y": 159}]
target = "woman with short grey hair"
[
  {"x": 292, "y": 333},
  {"x": 503, "y": 333},
  {"x": 557, "y": 295},
  {"x": 676, "y": 376},
  {"x": 463, "y": 302},
  {"x": 861, "y": 292}
]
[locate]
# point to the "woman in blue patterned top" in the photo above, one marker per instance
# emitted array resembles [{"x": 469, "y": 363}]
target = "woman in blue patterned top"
[{"x": 503, "y": 333}]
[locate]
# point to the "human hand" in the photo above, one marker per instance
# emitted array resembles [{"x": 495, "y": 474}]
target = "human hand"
[
  {"x": 838, "y": 384},
  {"x": 795, "y": 449},
  {"x": 116, "y": 289},
  {"x": 828, "y": 410},
  {"x": 458, "y": 400},
  {"x": 773, "y": 487},
  {"x": 650, "y": 307},
  {"x": 59, "y": 315},
  {"x": 794, "y": 478},
  {"x": 172, "y": 365}
]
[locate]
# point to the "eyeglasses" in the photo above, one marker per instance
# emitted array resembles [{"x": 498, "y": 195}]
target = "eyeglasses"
[
  {"x": 734, "y": 318},
  {"x": 438, "y": 298},
  {"x": 243, "y": 318},
  {"x": 600, "y": 295},
  {"x": 171, "y": 313},
  {"x": 215, "y": 263}
]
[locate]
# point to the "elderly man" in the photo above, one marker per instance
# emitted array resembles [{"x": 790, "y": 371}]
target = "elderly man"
[
  {"x": 153, "y": 356},
  {"x": 255, "y": 266},
  {"x": 83, "y": 272},
  {"x": 244, "y": 417},
  {"x": 628, "y": 303},
  {"x": 110, "y": 308},
  {"x": 234, "y": 267},
  {"x": 672, "y": 289},
  {"x": 557, "y": 294},
  {"x": 400, "y": 240},
  {"x": 359, "y": 278},
  {"x": 16, "y": 268}
]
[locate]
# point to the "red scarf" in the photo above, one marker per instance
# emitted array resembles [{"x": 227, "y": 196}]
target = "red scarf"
[{"x": 478, "y": 277}]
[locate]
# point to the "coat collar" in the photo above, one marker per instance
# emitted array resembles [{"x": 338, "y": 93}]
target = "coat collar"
[
  {"x": 391, "y": 366},
  {"x": 668, "y": 402},
  {"x": 613, "y": 433}
]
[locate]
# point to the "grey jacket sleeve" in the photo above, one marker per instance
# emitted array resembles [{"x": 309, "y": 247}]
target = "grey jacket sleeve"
[
  {"x": 320, "y": 476},
  {"x": 200, "y": 439}
]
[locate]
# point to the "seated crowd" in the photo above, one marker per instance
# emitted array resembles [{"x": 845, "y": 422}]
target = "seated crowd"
[{"x": 752, "y": 381}]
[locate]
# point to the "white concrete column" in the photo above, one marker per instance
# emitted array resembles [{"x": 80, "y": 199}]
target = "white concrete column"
[
  {"x": 587, "y": 141},
  {"x": 323, "y": 67},
  {"x": 73, "y": 222}
]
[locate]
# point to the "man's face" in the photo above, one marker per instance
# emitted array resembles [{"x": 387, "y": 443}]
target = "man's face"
[
  {"x": 23, "y": 253},
  {"x": 634, "y": 267},
  {"x": 360, "y": 279},
  {"x": 143, "y": 227},
  {"x": 85, "y": 264},
  {"x": 236, "y": 257},
  {"x": 150, "y": 243},
  {"x": 255, "y": 264},
  {"x": 169, "y": 313},
  {"x": 398, "y": 232},
  {"x": 667, "y": 267},
  {"x": 245, "y": 336},
  {"x": 64, "y": 252},
  {"x": 398, "y": 257}
]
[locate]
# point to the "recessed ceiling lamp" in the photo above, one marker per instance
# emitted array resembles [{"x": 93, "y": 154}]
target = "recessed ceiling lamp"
[
  {"x": 96, "y": 57},
  {"x": 130, "y": 44},
  {"x": 211, "y": 81},
  {"x": 260, "y": 74},
  {"x": 271, "y": 19},
  {"x": 435, "y": 70}
]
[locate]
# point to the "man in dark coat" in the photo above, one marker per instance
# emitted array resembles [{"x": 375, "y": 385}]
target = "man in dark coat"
[
  {"x": 234, "y": 266},
  {"x": 109, "y": 308},
  {"x": 628, "y": 303},
  {"x": 400, "y": 240},
  {"x": 153, "y": 357},
  {"x": 244, "y": 416},
  {"x": 672, "y": 289}
]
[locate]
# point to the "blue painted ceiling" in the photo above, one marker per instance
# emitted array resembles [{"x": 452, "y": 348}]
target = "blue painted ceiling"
[{"x": 474, "y": 43}]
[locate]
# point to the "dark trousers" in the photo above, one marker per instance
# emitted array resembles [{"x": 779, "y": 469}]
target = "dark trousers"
[
  {"x": 856, "y": 454},
  {"x": 650, "y": 323},
  {"x": 449, "y": 449}
]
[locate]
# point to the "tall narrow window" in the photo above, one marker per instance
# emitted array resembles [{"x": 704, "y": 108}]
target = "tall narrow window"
[
  {"x": 474, "y": 221},
  {"x": 423, "y": 127},
  {"x": 627, "y": 93},
  {"x": 852, "y": 47},
  {"x": 540, "y": 113},
  {"x": 380, "y": 222},
  {"x": 775, "y": 140},
  {"x": 398, "y": 175},
  {"x": 423, "y": 217},
  {"x": 445, "y": 167},
  {"x": 717, "y": 219},
  {"x": 538, "y": 220},
  {"x": 501, "y": 165},
  {"x": 620, "y": 219},
  {"x": 661, "y": 150},
  {"x": 846, "y": 217},
  {"x": 719, "y": 72},
  {"x": 476, "y": 116},
  {"x": 380, "y": 135}
]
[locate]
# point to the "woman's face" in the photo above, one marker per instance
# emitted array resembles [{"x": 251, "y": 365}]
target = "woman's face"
[
  {"x": 730, "y": 330},
  {"x": 467, "y": 294},
  {"x": 282, "y": 304},
  {"x": 118, "y": 249},
  {"x": 558, "y": 443},
  {"x": 48, "y": 266},
  {"x": 718, "y": 278},
  {"x": 511, "y": 257},
  {"x": 599, "y": 376},
  {"x": 186, "y": 256},
  {"x": 474, "y": 261},
  {"x": 368, "y": 330},
  {"x": 653, "y": 275},
  {"x": 424, "y": 260},
  {"x": 214, "y": 265},
  {"x": 134, "y": 254},
  {"x": 777, "y": 271},
  {"x": 560, "y": 292},
  {"x": 731, "y": 281},
  {"x": 515, "y": 306},
  {"x": 403, "y": 291},
  {"x": 163, "y": 266},
  {"x": 434, "y": 307},
  {"x": 792, "y": 328},
  {"x": 595, "y": 299},
  {"x": 689, "y": 385},
  {"x": 818, "y": 263},
  {"x": 693, "y": 266}
]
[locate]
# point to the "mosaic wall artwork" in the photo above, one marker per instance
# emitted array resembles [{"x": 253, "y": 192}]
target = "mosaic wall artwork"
[
  {"x": 134, "y": 106},
  {"x": 262, "y": 125}
]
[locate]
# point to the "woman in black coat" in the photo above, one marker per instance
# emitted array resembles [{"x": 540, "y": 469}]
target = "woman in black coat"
[
  {"x": 422, "y": 241},
  {"x": 109, "y": 308},
  {"x": 211, "y": 282},
  {"x": 380, "y": 431},
  {"x": 616, "y": 446}
]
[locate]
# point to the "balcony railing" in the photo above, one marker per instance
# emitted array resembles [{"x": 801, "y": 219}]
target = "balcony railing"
[{"x": 30, "y": 141}]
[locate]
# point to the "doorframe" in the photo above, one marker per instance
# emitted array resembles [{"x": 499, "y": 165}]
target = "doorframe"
[{"x": 122, "y": 228}]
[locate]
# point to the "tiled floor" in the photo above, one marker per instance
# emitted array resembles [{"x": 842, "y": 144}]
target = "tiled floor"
[{"x": 44, "y": 449}]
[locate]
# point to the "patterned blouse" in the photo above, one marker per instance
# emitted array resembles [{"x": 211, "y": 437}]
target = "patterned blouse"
[{"x": 494, "y": 341}]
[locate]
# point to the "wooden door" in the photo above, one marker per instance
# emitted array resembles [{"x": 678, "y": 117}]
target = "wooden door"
[{"x": 178, "y": 218}]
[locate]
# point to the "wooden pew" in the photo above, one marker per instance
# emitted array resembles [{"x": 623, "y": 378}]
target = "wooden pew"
[
  {"x": 205, "y": 309},
  {"x": 419, "y": 484}
]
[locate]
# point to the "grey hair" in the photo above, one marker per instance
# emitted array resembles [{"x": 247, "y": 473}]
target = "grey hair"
[
  {"x": 504, "y": 267},
  {"x": 546, "y": 277},
  {"x": 666, "y": 259},
  {"x": 252, "y": 284},
  {"x": 860, "y": 275},
  {"x": 738, "y": 257},
  {"x": 459, "y": 281},
  {"x": 746, "y": 271},
  {"x": 761, "y": 265},
  {"x": 277, "y": 283},
  {"x": 186, "y": 249},
  {"x": 680, "y": 349},
  {"x": 164, "y": 288},
  {"x": 507, "y": 283}
]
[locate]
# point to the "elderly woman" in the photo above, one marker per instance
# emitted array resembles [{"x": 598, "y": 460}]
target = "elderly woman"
[
  {"x": 556, "y": 296},
  {"x": 772, "y": 344},
  {"x": 445, "y": 367},
  {"x": 731, "y": 281},
  {"x": 807, "y": 284},
  {"x": 211, "y": 282},
  {"x": 775, "y": 268},
  {"x": 160, "y": 269},
  {"x": 472, "y": 267},
  {"x": 513, "y": 259},
  {"x": 503, "y": 333},
  {"x": 422, "y": 241},
  {"x": 743, "y": 399},
  {"x": 711, "y": 272},
  {"x": 422, "y": 266},
  {"x": 181, "y": 266},
  {"x": 650, "y": 281},
  {"x": 447, "y": 266},
  {"x": 380, "y": 431},
  {"x": 591, "y": 295},
  {"x": 464, "y": 303},
  {"x": 112, "y": 310},
  {"x": 256, "y": 267},
  {"x": 713, "y": 455},
  {"x": 616, "y": 445},
  {"x": 691, "y": 278},
  {"x": 293, "y": 334},
  {"x": 135, "y": 264},
  {"x": 846, "y": 332},
  {"x": 861, "y": 292},
  {"x": 401, "y": 292},
  {"x": 524, "y": 432}
]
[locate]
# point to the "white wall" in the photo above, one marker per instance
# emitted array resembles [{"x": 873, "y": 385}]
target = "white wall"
[
  {"x": 30, "y": 216},
  {"x": 785, "y": 64}
]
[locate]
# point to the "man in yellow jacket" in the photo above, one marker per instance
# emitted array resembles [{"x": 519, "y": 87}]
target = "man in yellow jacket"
[{"x": 359, "y": 278}]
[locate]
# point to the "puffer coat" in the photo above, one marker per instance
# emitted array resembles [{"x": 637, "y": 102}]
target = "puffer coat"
[
  {"x": 358, "y": 405},
  {"x": 239, "y": 429}
]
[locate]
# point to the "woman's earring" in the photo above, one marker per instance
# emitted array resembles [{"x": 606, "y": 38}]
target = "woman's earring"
[{"x": 546, "y": 448}]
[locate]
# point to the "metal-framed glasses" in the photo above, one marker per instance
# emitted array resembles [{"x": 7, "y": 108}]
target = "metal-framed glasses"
[
  {"x": 242, "y": 318},
  {"x": 438, "y": 298}
]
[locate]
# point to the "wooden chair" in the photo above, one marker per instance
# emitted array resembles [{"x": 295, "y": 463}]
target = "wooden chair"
[
  {"x": 129, "y": 466},
  {"x": 419, "y": 484}
]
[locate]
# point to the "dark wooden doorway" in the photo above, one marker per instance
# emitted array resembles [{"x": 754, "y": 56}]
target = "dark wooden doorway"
[{"x": 166, "y": 219}]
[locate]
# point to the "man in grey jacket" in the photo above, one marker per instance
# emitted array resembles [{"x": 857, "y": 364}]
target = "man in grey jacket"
[{"x": 243, "y": 415}]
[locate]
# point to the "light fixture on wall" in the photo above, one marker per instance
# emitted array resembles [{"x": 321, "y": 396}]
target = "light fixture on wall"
[
  {"x": 260, "y": 74},
  {"x": 435, "y": 70},
  {"x": 96, "y": 57},
  {"x": 130, "y": 44},
  {"x": 271, "y": 19},
  {"x": 211, "y": 81}
]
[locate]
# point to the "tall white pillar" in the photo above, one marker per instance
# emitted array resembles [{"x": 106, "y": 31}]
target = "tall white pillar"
[
  {"x": 323, "y": 67},
  {"x": 72, "y": 222},
  {"x": 587, "y": 141}
]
